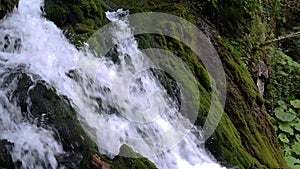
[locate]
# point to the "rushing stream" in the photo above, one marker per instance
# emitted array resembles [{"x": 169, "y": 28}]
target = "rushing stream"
[{"x": 30, "y": 40}]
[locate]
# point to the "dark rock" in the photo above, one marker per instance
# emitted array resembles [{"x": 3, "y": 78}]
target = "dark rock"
[
  {"x": 71, "y": 160},
  {"x": 5, "y": 157},
  {"x": 54, "y": 112}
]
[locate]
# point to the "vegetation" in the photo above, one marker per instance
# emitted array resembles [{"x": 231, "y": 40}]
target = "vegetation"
[
  {"x": 287, "y": 125},
  {"x": 284, "y": 106}
]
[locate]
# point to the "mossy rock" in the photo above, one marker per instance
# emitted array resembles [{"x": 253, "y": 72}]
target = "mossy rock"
[
  {"x": 54, "y": 111},
  {"x": 7, "y": 6},
  {"x": 78, "y": 18}
]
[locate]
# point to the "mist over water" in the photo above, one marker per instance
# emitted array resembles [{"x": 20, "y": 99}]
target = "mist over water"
[{"x": 116, "y": 103}]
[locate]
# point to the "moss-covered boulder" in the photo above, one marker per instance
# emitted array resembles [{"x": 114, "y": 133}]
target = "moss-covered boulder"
[
  {"x": 52, "y": 111},
  {"x": 79, "y": 18},
  {"x": 7, "y": 6}
]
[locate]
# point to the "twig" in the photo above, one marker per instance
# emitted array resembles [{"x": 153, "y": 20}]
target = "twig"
[{"x": 292, "y": 35}]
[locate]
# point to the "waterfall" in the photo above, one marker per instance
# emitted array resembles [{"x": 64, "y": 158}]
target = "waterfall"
[{"x": 99, "y": 97}]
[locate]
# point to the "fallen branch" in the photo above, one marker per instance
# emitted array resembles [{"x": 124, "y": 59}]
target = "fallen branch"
[{"x": 292, "y": 35}]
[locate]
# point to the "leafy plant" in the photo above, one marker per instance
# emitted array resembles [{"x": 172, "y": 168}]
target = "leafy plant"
[
  {"x": 295, "y": 103},
  {"x": 287, "y": 124},
  {"x": 284, "y": 81}
]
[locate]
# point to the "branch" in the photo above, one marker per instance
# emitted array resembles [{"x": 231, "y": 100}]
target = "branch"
[{"x": 292, "y": 35}]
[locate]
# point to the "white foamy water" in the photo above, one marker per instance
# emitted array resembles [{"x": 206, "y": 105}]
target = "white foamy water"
[
  {"x": 34, "y": 147},
  {"x": 116, "y": 103}
]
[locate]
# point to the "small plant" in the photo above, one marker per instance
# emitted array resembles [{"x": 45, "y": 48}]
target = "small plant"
[{"x": 287, "y": 124}]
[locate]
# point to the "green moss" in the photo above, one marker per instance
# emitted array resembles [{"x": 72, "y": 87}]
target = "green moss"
[
  {"x": 56, "y": 14},
  {"x": 7, "y": 6},
  {"x": 227, "y": 141},
  {"x": 79, "y": 14},
  {"x": 246, "y": 112},
  {"x": 78, "y": 17},
  {"x": 133, "y": 163}
]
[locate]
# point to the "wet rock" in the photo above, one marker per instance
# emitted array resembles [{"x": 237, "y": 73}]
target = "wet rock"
[
  {"x": 5, "y": 157},
  {"x": 44, "y": 107},
  {"x": 70, "y": 160}
]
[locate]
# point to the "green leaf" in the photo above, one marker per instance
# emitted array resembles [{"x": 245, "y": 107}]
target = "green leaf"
[
  {"x": 296, "y": 148},
  {"x": 292, "y": 111},
  {"x": 296, "y": 28},
  {"x": 283, "y": 62},
  {"x": 283, "y": 138},
  {"x": 287, "y": 151},
  {"x": 286, "y": 127},
  {"x": 282, "y": 104},
  {"x": 272, "y": 120},
  {"x": 283, "y": 116},
  {"x": 295, "y": 103},
  {"x": 282, "y": 73},
  {"x": 297, "y": 137},
  {"x": 275, "y": 128},
  {"x": 296, "y": 125},
  {"x": 292, "y": 161}
]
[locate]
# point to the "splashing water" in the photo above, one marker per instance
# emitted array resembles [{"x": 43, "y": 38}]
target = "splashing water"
[{"x": 99, "y": 97}]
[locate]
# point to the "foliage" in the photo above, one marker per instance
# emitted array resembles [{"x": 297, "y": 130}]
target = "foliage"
[
  {"x": 282, "y": 98},
  {"x": 291, "y": 15},
  {"x": 292, "y": 46},
  {"x": 287, "y": 125},
  {"x": 284, "y": 81}
]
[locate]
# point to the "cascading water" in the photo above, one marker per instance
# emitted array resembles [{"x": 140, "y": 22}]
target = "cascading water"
[{"x": 29, "y": 39}]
